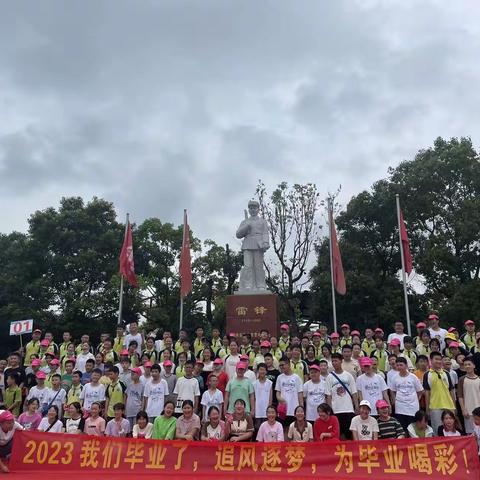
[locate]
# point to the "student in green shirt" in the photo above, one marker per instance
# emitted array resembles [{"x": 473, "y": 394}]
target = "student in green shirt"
[
  {"x": 165, "y": 425},
  {"x": 13, "y": 395},
  {"x": 115, "y": 392},
  {"x": 73, "y": 394}
]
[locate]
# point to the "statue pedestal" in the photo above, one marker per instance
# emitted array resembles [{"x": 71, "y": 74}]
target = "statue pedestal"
[{"x": 252, "y": 312}]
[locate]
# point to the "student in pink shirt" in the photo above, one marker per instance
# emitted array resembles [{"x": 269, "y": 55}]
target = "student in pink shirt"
[
  {"x": 94, "y": 424},
  {"x": 271, "y": 430},
  {"x": 30, "y": 420}
]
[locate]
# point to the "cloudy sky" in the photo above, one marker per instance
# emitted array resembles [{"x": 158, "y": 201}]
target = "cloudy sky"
[{"x": 163, "y": 105}]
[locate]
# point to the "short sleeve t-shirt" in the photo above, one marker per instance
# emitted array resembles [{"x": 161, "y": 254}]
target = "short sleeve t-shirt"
[
  {"x": 134, "y": 399},
  {"x": 92, "y": 393},
  {"x": 371, "y": 388},
  {"x": 364, "y": 428},
  {"x": 155, "y": 395},
  {"x": 45, "y": 426},
  {"x": 406, "y": 398},
  {"x": 239, "y": 389},
  {"x": 94, "y": 426},
  {"x": 210, "y": 399},
  {"x": 314, "y": 394},
  {"x": 289, "y": 387},
  {"x": 118, "y": 429},
  {"x": 186, "y": 389},
  {"x": 341, "y": 399},
  {"x": 115, "y": 394},
  {"x": 270, "y": 433},
  {"x": 262, "y": 397}
]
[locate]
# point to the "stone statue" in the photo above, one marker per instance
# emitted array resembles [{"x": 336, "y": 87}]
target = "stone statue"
[{"x": 254, "y": 231}]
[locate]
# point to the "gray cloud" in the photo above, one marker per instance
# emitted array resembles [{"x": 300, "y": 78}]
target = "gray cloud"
[{"x": 160, "y": 106}]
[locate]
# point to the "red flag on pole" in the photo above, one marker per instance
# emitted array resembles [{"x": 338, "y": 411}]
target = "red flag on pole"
[
  {"x": 185, "y": 260},
  {"x": 407, "y": 257},
  {"x": 337, "y": 267},
  {"x": 127, "y": 266}
]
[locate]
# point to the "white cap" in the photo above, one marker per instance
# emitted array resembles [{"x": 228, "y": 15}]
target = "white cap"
[{"x": 365, "y": 403}]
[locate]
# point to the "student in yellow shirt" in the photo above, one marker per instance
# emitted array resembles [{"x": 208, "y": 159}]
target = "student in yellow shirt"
[
  {"x": 284, "y": 340},
  {"x": 32, "y": 347},
  {"x": 198, "y": 342},
  {"x": 119, "y": 340}
]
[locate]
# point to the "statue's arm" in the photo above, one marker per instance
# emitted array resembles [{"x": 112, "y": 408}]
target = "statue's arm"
[{"x": 243, "y": 229}]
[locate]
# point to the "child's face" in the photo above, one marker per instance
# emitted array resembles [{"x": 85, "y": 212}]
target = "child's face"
[
  {"x": 476, "y": 420},
  {"x": 55, "y": 382}
]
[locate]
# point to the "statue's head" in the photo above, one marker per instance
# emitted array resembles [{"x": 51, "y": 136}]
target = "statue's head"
[{"x": 253, "y": 207}]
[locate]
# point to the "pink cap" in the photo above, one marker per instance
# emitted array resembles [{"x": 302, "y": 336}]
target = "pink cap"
[
  {"x": 265, "y": 344},
  {"x": 55, "y": 361},
  {"x": 345, "y": 325},
  {"x": 382, "y": 404},
  {"x": 218, "y": 361},
  {"x": 41, "y": 375},
  {"x": 421, "y": 325},
  {"x": 469, "y": 322},
  {"x": 148, "y": 364},
  {"x": 355, "y": 332},
  {"x": 316, "y": 334},
  {"x": 314, "y": 367},
  {"x": 284, "y": 326},
  {"x": 452, "y": 329},
  {"x": 394, "y": 341},
  {"x": 378, "y": 330},
  {"x": 136, "y": 370},
  {"x": 167, "y": 363},
  {"x": 44, "y": 343},
  {"x": 36, "y": 362},
  {"x": 334, "y": 335},
  {"x": 199, "y": 362},
  {"x": 453, "y": 345},
  {"x": 364, "y": 361},
  {"x": 37, "y": 330},
  {"x": 125, "y": 352},
  {"x": 6, "y": 416},
  {"x": 241, "y": 365},
  {"x": 243, "y": 357},
  {"x": 433, "y": 317}
]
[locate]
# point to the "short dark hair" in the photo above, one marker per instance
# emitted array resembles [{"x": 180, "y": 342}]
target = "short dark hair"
[
  {"x": 346, "y": 347},
  {"x": 407, "y": 339},
  {"x": 337, "y": 355},
  {"x": 90, "y": 360},
  {"x": 422, "y": 357},
  {"x": 119, "y": 406},
  {"x": 156, "y": 366},
  {"x": 261, "y": 365},
  {"x": 476, "y": 412},
  {"x": 97, "y": 370},
  {"x": 435, "y": 354},
  {"x": 402, "y": 360},
  {"x": 189, "y": 362},
  {"x": 56, "y": 375},
  {"x": 115, "y": 369}
]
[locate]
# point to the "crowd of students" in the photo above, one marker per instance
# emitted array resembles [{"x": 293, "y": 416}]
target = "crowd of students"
[{"x": 320, "y": 387}]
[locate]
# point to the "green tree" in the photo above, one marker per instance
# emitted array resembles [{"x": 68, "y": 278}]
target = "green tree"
[{"x": 291, "y": 216}]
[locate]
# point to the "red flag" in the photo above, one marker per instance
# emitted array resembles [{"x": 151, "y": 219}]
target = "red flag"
[
  {"x": 127, "y": 266},
  {"x": 407, "y": 256},
  {"x": 336, "y": 259},
  {"x": 185, "y": 260}
]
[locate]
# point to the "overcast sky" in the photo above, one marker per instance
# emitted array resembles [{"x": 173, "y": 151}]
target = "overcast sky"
[{"x": 163, "y": 105}]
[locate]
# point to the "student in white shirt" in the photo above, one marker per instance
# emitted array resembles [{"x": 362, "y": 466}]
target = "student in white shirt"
[
  {"x": 51, "y": 422},
  {"x": 212, "y": 397},
  {"x": 314, "y": 392},
  {"x": 263, "y": 389},
  {"x": 93, "y": 391},
  {"x": 364, "y": 426},
  {"x": 154, "y": 394}
]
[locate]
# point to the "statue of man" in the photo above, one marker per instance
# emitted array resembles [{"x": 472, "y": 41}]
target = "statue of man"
[{"x": 254, "y": 231}]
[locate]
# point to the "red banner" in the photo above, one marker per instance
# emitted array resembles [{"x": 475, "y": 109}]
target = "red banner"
[{"x": 65, "y": 456}]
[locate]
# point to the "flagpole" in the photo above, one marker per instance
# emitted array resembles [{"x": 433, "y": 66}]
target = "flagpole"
[
  {"x": 183, "y": 243},
  {"x": 330, "y": 222},
  {"x": 120, "y": 302},
  {"x": 404, "y": 276}
]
